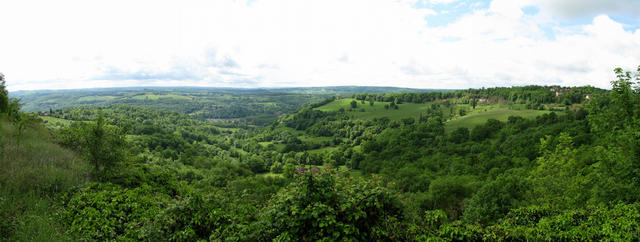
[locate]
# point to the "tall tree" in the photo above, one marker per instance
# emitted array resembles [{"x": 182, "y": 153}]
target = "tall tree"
[
  {"x": 557, "y": 177},
  {"x": 105, "y": 147},
  {"x": 615, "y": 120},
  {"x": 474, "y": 102},
  {"x": 4, "y": 95}
]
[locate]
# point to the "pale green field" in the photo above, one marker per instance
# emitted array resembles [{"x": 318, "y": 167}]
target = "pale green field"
[
  {"x": 323, "y": 150},
  {"x": 156, "y": 97},
  {"x": 265, "y": 144},
  {"x": 404, "y": 110},
  {"x": 314, "y": 139},
  {"x": 232, "y": 130},
  {"x": 474, "y": 117},
  {"x": 96, "y": 98},
  {"x": 56, "y": 123},
  {"x": 271, "y": 174},
  {"x": 500, "y": 113}
]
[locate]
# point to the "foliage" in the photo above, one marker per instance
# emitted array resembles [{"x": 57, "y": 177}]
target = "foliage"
[
  {"x": 497, "y": 197},
  {"x": 616, "y": 118},
  {"x": 4, "y": 95},
  {"x": 104, "y": 211},
  {"x": 105, "y": 147},
  {"x": 323, "y": 206},
  {"x": 195, "y": 218},
  {"x": 616, "y": 223},
  {"x": 557, "y": 178}
]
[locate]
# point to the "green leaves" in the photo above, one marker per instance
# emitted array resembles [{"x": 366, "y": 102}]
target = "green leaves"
[
  {"x": 615, "y": 119},
  {"x": 329, "y": 207},
  {"x": 103, "y": 211},
  {"x": 495, "y": 198},
  {"x": 556, "y": 179},
  {"x": 618, "y": 223},
  {"x": 105, "y": 147}
]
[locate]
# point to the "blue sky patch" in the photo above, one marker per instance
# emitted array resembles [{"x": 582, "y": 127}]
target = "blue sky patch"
[
  {"x": 530, "y": 10},
  {"x": 447, "y": 13}
]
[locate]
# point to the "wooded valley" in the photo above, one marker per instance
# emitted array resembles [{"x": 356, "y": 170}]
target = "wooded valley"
[{"x": 304, "y": 164}]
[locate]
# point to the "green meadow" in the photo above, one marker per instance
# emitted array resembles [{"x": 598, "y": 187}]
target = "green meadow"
[
  {"x": 378, "y": 110},
  {"x": 473, "y": 117},
  {"x": 480, "y": 117},
  {"x": 154, "y": 97},
  {"x": 56, "y": 123}
]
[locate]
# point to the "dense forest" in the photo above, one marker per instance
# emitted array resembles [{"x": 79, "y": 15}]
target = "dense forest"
[{"x": 511, "y": 163}]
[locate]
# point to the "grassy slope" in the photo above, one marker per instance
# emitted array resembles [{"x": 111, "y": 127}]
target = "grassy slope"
[
  {"x": 55, "y": 123},
  {"x": 158, "y": 96},
  {"x": 475, "y": 116},
  {"x": 96, "y": 98},
  {"x": 480, "y": 116},
  {"x": 33, "y": 172},
  {"x": 377, "y": 110}
]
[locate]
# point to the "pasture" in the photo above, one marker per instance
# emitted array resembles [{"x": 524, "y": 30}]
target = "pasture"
[{"x": 473, "y": 117}]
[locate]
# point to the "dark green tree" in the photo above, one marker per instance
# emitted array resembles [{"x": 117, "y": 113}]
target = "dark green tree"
[
  {"x": 105, "y": 147},
  {"x": 615, "y": 120},
  {"x": 4, "y": 95},
  {"x": 497, "y": 197},
  {"x": 474, "y": 102},
  {"x": 459, "y": 135},
  {"x": 393, "y": 105},
  {"x": 462, "y": 112}
]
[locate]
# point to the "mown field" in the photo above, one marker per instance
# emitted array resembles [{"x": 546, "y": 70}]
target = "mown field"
[
  {"x": 473, "y": 117},
  {"x": 378, "y": 110},
  {"x": 55, "y": 123},
  {"x": 481, "y": 116}
]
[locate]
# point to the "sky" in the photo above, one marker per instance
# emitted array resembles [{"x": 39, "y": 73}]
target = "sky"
[{"x": 452, "y": 44}]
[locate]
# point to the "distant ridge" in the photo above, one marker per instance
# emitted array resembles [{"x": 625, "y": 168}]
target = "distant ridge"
[
  {"x": 255, "y": 106},
  {"x": 309, "y": 90}
]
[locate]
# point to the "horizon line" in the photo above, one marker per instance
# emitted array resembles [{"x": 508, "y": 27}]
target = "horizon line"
[{"x": 276, "y": 88}]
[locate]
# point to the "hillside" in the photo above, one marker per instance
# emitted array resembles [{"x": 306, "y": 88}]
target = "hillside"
[
  {"x": 34, "y": 173},
  {"x": 470, "y": 119},
  {"x": 519, "y": 163}
]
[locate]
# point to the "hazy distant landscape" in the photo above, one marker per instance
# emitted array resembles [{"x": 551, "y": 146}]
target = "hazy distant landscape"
[
  {"x": 254, "y": 106},
  {"x": 359, "y": 120}
]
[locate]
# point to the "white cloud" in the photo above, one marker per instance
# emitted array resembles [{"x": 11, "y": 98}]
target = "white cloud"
[
  {"x": 591, "y": 8},
  {"x": 442, "y": 1},
  {"x": 69, "y": 44},
  {"x": 508, "y": 8}
]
